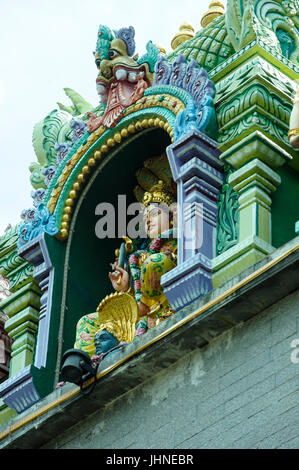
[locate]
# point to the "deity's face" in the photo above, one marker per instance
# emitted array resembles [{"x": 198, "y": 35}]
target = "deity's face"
[
  {"x": 156, "y": 219},
  {"x": 104, "y": 341}
]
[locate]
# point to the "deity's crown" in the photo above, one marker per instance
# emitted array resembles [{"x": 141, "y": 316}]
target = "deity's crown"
[{"x": 158, "y": 193}]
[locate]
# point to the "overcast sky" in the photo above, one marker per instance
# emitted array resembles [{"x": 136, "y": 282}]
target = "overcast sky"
[{"x": 47, "y": 45}]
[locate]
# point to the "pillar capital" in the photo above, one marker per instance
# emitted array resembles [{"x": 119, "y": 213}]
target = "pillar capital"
[
  {"x": 256, "y": 146},
  {"x": 257, "y": 173},
  {"x": 195, "y": 150}
]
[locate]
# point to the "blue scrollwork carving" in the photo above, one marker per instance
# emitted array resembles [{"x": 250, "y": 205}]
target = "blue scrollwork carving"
[
  {"x": 199, "y": 112},
  {"x": 186, "y": 120},
  {"x": 36, "y": 222}
]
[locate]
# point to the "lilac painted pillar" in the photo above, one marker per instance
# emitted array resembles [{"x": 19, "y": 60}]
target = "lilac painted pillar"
[{"x": 198, "y": 172}]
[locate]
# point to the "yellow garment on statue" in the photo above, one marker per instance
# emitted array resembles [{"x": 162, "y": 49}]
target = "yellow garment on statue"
[
  {"x": 152, "y": 267},
  {"x": 87, "y": 327}
]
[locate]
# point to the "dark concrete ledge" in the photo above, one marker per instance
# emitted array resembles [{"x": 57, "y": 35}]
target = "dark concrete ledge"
[{"x": 236, "y": 301}]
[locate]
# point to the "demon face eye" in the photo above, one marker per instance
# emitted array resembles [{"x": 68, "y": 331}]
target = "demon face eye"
[{"x": 113, "y": 53}]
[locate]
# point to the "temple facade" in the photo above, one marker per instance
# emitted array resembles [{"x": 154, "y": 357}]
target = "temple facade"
[{"x": 190, "y": 338}]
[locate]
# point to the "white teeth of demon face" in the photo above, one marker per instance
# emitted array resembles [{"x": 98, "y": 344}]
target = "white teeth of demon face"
[
  {"x": 121, "y": 74},
  {"x": 132, "y": 77},
  {"x": 101, "y": 88}
]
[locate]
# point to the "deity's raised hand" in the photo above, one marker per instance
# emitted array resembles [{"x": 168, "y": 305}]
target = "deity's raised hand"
[{"x": 119, "y": 278}]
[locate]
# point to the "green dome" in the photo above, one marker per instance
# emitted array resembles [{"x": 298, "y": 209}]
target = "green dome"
[{"x": 209, "y": 47}]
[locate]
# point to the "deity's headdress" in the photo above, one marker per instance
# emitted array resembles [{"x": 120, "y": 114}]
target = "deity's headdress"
[
  {"x": 158, "y": 193},
  {"x": 118, "y": 314}
]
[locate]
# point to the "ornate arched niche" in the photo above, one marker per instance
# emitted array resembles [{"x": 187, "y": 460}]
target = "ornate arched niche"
[{"x": 88, "y": 258}]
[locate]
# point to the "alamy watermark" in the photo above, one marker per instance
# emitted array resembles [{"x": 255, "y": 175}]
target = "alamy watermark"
[
  {"x": 138, "y": 221},
  {"x": 295, "y": 352}
]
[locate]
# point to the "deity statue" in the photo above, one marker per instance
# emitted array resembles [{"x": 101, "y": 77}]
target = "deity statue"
[
  {"x": 136, "y": 280},
  {"x": 294, "y": 123}
]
